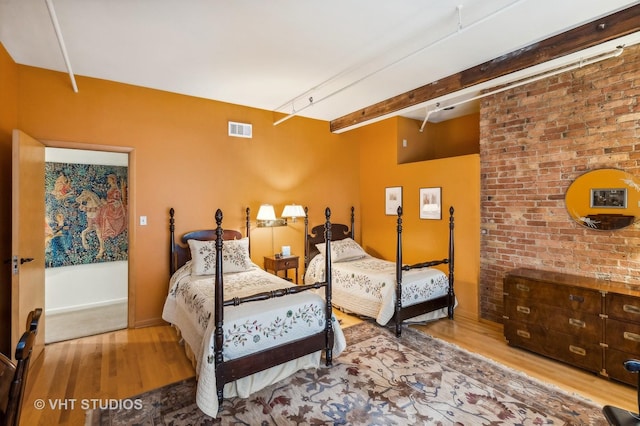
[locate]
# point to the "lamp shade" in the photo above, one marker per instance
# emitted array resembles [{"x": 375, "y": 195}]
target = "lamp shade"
[
  {"x": 293, "y": 210},
  {"x": 266, "y": 212}
]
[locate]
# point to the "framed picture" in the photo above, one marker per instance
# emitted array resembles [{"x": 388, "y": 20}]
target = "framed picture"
[
  {"x": 430, "y": 203},
  {"x": 392, "y": 200},
  {"x": 609, "y": 198}
]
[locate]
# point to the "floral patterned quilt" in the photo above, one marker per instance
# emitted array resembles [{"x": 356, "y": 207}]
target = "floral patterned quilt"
[
  {"x": 248, "y": 328},
  {"x": 366, "y": 286}
]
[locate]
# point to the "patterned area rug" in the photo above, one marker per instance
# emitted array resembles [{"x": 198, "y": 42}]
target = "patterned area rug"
[{"x": 378, "y": 380}]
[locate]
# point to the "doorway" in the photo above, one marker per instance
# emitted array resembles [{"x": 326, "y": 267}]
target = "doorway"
[{"x": 83, "y": 299}]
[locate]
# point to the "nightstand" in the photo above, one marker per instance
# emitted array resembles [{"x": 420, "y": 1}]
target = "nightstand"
[{"x": 283, "y": 263}]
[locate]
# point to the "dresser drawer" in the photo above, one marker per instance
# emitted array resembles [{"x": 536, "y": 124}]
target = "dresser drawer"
[
  {"x": 623, "y": 307},
  {"x": 576, "y": 323},
  {"x": 560, "y": 346},
  {"x": 623, "y": 336},
  {"x": 567, "y": 297},
  {"x": 615, "y": 368}
]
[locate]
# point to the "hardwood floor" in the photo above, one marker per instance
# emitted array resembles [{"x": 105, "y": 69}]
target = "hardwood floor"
[
  {"x": 72, "y": 376},
  {"x": 65, "y": 379}
]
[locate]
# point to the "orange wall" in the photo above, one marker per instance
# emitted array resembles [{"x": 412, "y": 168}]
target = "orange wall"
[
  {"x": 8, "y": 121},
  {"x": 182, "y": 158},
  {"x": 459, "y": 178}
]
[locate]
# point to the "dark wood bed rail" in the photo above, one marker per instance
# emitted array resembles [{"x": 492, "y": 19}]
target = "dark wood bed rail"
[
  {"x": 447, "y": 301},
  {"x": 231, "y": 370},
  {"x": 266, "y": 295}
]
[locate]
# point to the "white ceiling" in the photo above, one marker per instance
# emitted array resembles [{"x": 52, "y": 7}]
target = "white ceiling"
[{"x": 276, "y": 55}]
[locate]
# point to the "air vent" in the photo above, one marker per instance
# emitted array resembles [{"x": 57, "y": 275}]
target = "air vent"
[{"x": 239, "y": 130}]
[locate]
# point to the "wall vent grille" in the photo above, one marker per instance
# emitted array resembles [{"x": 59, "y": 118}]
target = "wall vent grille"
[{"x": 240, "y": 130}]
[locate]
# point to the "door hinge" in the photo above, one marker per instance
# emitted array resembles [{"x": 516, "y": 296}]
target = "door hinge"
[{"x": 14, "y": 265}]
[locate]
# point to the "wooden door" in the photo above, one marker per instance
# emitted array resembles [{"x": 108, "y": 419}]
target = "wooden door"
[{"x": 27, "y": 235}]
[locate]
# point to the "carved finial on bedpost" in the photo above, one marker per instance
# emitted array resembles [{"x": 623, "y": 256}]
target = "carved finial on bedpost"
[
  {"x": 353, "y": 221},
  {"x": 398, "y": 305},
  {"x": 399, "y": 226},
  {"x": 172, "y": 221},
  {"x": 452, "y": 296},
  {"x": 306, "y": 237},
  {"x": 172, "y": 251},
  {"x": 218, "y": 293},
  {"x": 248, "y": 227},
  {"x": 327, "y": 294},
  {"x": 327, "y": 235}
]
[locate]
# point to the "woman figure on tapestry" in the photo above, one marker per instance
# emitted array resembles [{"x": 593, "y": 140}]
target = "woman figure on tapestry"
[
  {"x": 112, "y": 218},
  {"x": 58, "y": 237},
  {"x": 108, "y": 218}
]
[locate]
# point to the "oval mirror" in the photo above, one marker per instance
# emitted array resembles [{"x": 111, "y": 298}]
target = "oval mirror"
[{"x": 604, "y": 199}]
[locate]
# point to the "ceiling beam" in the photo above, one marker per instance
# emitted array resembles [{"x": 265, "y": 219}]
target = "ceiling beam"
[{"x": 599, "y": 31}]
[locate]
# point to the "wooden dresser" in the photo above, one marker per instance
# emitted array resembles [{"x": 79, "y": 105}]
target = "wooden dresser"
[{"x": 591, "y": 324}]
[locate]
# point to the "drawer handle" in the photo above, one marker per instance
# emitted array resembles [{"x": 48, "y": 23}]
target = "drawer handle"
[
  {"x": 577, "y": 350},
  {"x": 575, "y": 298},
  {"x": 523, "y": 309},
  {"x": 522, "y": 287},
  {"x": 524, "y": 334},
  {"x": 632, "y": 309},
  {"x": 577, "y": 322},
  {"x": 631, "y": 336}
]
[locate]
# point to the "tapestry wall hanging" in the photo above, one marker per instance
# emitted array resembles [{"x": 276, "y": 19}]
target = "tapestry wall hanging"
[{"x": 85, "y": 214}]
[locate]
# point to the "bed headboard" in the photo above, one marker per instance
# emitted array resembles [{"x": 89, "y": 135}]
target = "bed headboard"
[
  {"x": 179, "y": 252},
  {"x": 316, "y": 235}
]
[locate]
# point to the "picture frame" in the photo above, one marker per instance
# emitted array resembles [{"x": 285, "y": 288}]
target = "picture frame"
[
  {"x": 608, "y": 198},
  {"x": 431, "y": 203},
  {"x": 393, "y": 200}
]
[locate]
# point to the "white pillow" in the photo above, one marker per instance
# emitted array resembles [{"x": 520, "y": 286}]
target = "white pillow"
[
  {"x": 343, "y": 250},
  {"x": 203, "y": 257},
  {"x": 235, "y": 256}
]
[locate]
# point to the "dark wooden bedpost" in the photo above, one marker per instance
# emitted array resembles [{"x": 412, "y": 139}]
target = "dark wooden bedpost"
[
  {"x": 248, "y": 227},
  {"x": 306, "y": 238},
  {"x": 452, "y": 296},
  {"x": 327, "y": 293},
  {"x": 219, "y": 307},
  {"x": 398, "y": 306},
  {"x": 353, "y": 221},
  {"x": 172, "y": 235}
]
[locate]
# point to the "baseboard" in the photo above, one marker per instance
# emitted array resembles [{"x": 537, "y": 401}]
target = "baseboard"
[
  {"x": 76, "y": 308},
  {"x": 151, "y": 322}
]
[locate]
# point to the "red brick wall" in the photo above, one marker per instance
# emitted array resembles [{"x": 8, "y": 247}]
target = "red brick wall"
[{"x": 534, "y": 141}]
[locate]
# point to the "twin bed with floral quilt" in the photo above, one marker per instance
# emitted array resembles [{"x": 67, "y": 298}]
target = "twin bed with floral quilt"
[
  {"x": 380, "y": 289},
  {"x": 243, "y": 327}
]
